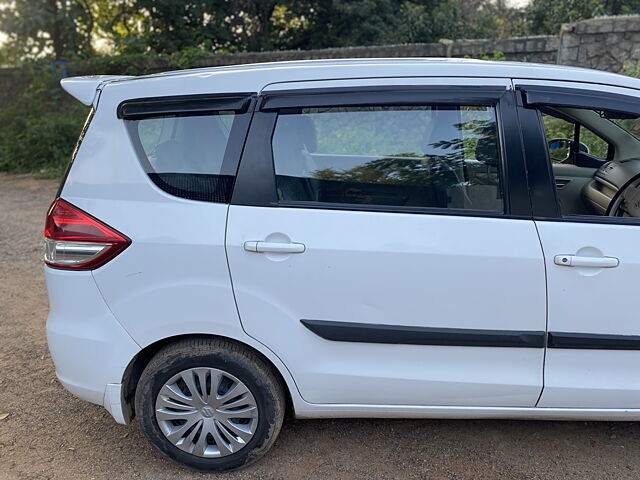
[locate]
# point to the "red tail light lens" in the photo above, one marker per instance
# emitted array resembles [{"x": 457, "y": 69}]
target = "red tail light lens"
[{"x": 75, "y": 240}]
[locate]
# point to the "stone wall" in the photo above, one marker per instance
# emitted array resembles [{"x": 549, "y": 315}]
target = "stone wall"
[
  {"x": 525, "y": 49},
  {"x": 540, "y": 49},
  {"x": 602, "y": 43}
]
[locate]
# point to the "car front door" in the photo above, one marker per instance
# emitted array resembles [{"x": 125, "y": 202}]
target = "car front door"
[
  {"x": 380, "y": 243},
  {"x": 591, "y": 247}
]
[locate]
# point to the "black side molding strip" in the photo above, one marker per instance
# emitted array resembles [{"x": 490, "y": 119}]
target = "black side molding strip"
[
  {"x": 139, "y": 108},
  {"x": 593, "y": 341},
  {"x": 407, "y": 335},
  {"x": 463, "y": 337}
]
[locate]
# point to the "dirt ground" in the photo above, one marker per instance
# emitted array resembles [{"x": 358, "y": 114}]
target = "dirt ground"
[{"x": 49, "y": 434}]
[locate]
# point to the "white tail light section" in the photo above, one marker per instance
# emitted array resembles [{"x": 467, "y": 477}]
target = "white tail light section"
[{"x": 75, "y": 240}]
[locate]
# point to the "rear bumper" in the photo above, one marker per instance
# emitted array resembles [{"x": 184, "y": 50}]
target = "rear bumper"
[{"x": 90, "y": 349}]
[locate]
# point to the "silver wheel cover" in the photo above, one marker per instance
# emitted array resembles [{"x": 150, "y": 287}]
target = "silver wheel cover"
[{"x": 206, "y": 412}]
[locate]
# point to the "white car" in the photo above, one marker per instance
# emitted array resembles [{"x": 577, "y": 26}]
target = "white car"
[{"x": 358, "y": 238}]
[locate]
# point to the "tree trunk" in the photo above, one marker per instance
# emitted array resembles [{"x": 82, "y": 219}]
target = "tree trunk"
[
  {"x": 88, "y": 47},
  {"x": 56, "y": 30},
  {"x": 260, "y": 38}
]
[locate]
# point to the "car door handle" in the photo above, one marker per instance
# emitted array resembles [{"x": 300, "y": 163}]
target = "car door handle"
[
  {"x": 274, "y": 247},
  {"x": 593, "y": 262}
]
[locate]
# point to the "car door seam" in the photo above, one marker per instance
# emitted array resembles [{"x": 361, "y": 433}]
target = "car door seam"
[
  {"x": 546, "y": 310},
  {"x": 235, "y": 301}
]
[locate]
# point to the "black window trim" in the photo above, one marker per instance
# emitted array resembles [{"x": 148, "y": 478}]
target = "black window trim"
[
  {"x": 256, "y": 184},
  {"x": 395, "y": 95},
  {"x": 182, "y": 105},
  {"x": 544, "y": 95},
  {"x": 530, "y": 100}
]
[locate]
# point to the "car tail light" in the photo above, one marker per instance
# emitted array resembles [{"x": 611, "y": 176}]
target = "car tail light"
[{"x": 75, "y": 240}]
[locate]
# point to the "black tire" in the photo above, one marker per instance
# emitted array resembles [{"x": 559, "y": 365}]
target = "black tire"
[{"x": 233, "y": 358}]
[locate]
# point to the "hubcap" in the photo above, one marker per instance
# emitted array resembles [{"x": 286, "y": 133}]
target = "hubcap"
[{"x": 206, "y": 412}]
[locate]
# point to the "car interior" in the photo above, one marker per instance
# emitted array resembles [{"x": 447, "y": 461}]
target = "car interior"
[
  {"x": 184, "y": 155},
  {"x": 450, "y": 165},
  {"x": 595, "y": 159}
]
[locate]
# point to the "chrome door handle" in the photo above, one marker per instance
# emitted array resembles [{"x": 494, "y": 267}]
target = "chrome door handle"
[
  {"x": 274, "y": 247},
  {"x": 593, "y": 262}
]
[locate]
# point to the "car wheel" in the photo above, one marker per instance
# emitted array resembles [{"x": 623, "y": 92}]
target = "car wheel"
[{"x": 210, "y": 404}]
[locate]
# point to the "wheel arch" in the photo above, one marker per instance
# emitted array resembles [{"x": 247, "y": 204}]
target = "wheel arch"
[{"x": 139, "y": 362}]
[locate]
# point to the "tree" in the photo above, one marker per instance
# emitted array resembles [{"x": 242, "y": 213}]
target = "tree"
[
  {"x": 216, "y": 25},
  {"x": 57, "y": 28},
  {"x": 120, "y": 25},
  {"x": 546, "y": 16},
  {"x": 170, "y": 26},
  {"x": 343, "y": 23}
]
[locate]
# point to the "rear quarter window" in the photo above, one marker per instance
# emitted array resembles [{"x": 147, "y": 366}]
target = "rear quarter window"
[{"x": 189, "y": 146}]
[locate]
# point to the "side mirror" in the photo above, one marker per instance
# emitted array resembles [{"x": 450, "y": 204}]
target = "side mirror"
[{"x": 560, "y": 149}]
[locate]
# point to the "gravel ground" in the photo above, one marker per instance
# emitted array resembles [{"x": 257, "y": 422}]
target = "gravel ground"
[{"x": 49, "y": 434}]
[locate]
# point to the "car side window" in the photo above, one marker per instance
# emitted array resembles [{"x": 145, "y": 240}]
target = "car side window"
[
  {"x": 593, "y": 176},
  {"x": 184, "y": 155},
  {"x": 436, "y": 156},
  {"x": 560, "y": 134}
]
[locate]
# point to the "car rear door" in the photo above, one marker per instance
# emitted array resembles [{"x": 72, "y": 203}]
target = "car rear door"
[
  {"x": 380, "y": 242},
  {"x": 592, "y": 260}
]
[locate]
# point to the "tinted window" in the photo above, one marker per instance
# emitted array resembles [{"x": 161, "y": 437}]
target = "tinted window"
[
  {"x": 440, "y": 156},
  {"x": 185, "y": 155}
]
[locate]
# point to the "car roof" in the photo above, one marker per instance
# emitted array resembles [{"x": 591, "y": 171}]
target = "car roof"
[
  {"x": 336, "y": 69},
  {"x": 256, "y": 77}
]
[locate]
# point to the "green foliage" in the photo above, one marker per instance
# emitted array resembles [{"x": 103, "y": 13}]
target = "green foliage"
[
  {"x": 432, "y": 20},
  {"x": 343, "y": 23},
  {"x": 391, "y": 171},
  {"x": 144, "y": 36},
  {"x": 38, "y": 142},
  {"x": 558, "y": 128},
  {"x": 546, "y": 16},
  {"x": 71, "y": 29},
  {"x": 38, "y": 132},
  {"x": 370, "y": 130},
  {"x": 171, "y": 26},
  {"x": 38, "y": 28},
  {"x": 184, "y": 59},
  {"x": 632, "y": 68},
  {"x": 492, "y": 57},
  {"x": 398, "y": 138},
  {"x": 126, "y": 64}
]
